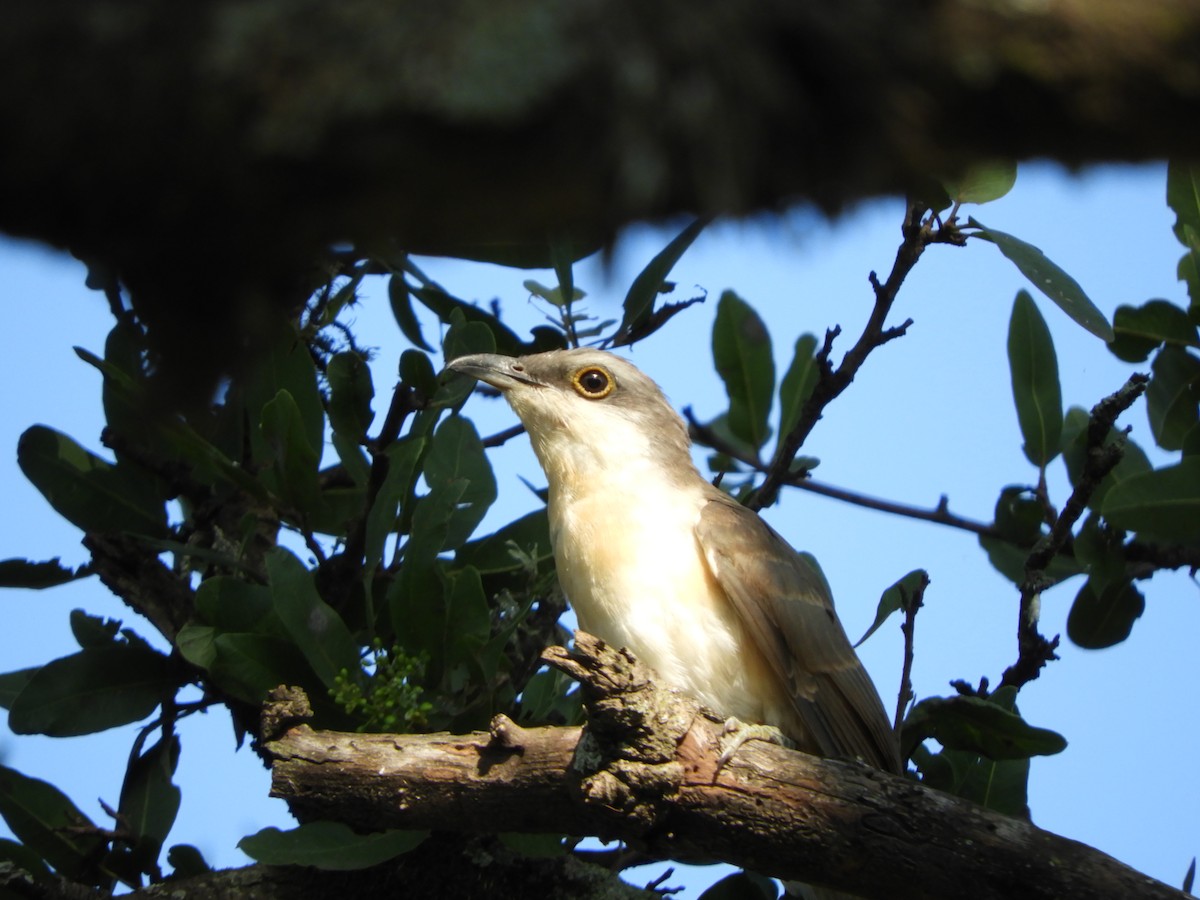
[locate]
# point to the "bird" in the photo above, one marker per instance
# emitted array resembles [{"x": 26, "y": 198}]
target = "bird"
[{"x": 654, "y": 558}]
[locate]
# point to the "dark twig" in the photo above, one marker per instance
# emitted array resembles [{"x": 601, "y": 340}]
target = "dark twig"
[
  {"x": 918, "y": 233},
  {"x": 908, "y": 627},
  {"x": 1034, "y": 650},
  {"x": 503, "y": 437}
]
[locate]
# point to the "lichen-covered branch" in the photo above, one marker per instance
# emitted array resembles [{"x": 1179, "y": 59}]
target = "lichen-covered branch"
[{"x": 645, "y": 771}]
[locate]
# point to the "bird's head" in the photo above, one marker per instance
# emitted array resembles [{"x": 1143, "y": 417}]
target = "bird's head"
[{"x": 588, "y": 412}]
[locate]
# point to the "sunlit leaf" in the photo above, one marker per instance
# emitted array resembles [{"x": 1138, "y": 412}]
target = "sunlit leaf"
[
  {"x": 798, "y": 383},
  {"x": 1050, "y": 280},
  {"x": 1036, "y": 392},
  {"x": 982, "y": 183},
  {"x": 897, "y": 597},
  {"x": 741, "y": 348},
  {"x": 978, "y": 725}
]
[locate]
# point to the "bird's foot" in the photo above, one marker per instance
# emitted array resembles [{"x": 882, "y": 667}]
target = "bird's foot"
[{"x": 737, "y": 732}]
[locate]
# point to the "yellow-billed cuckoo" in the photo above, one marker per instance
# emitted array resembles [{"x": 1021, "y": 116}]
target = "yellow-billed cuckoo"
[{"x": 654, "y": 558}]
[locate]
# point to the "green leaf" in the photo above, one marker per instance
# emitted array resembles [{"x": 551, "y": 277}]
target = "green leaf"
[
  {"x": 977, "y": 725},
  {"x": 231, "y": 604},
  {"x": 331, "y": 846},
  {"x": 24, "y": 573},
  {"x": 92, "y": 494},
  {"x": 742, "y": 352},
  {"x": 93, "y": 631},
  {"x": 401, "y": 302},
  {"x": 12, "y": 683},
  {"x": 397, "y": 485},
  {"x": 1133, "y": 458},
  {"x": 639, "y": 301},
  {"x": 293, "y": 461},
  {"x": 897, "y": 597},
  {"x": 982, "y": 183},
  {"x": 1104, "y": 612},
  {"x": 537, "y": 846},
  {"x": 1000, "y": 785},
  {"x": 1183, "y": 196},
  {"x": 245, "y": 665},
  {"x": 1173, "y": 396},
  {"x": 503, "y": 339},
  {"x": 552, "y": 295},
  {"x": 350, "y": 395},
  {"x": 1018, "y": 516},
  {"x": 287, "y": 366},
  {"x": 314, "y": 625},
  {"x": 456, "y": 454},
  {"x": 468, "y": 618},
  {"x": 1164, "y": 502},
  {"x": 92, "y": 690},
  {"x": 1138, "y": 330},
  {"x": 1050, "y": 280},
  {"x": 1009, "y": 560},
  {"x": 1036, "y": 391},
  {"x": 45, "y": 820},
  {"x": 798, "y": 383},
  {"x": 149, "y": 798},
  {"x": 24, "y": 858},
  {"x": 528, "y": 535}
]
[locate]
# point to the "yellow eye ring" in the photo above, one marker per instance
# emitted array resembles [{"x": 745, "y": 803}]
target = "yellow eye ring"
[{"x": 593, "y": 382}]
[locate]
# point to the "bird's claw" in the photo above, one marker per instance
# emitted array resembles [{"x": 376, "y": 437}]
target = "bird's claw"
[{"x": 737, "y": 732}]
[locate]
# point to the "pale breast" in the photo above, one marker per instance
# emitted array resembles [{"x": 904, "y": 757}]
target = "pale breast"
[{"x": 632, "y": 569}]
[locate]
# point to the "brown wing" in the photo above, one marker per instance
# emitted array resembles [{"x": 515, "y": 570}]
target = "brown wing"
[{"x": 785, "y": 604}]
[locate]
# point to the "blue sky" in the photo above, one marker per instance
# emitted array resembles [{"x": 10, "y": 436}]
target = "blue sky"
[{"x": 929, "y": 414}]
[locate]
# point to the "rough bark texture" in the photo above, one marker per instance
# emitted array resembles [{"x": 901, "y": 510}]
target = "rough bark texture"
[
  {"x": 206, "y": 153},
  {"x": 646, "y": 772}
]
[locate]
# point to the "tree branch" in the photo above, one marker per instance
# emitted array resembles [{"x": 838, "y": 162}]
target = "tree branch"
[{"x": 645, "y": 771}]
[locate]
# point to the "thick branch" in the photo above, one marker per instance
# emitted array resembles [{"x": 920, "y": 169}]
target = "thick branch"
[{"x": 645, "y": 772}]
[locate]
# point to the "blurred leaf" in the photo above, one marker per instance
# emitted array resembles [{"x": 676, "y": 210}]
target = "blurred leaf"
[
  {"x": 551, "y": 698},
  {"x": 150, "y": 799},
  {"x": 402, "y": 458},
  {"x": 1138, "y": 330},
  {"x": 122, "y": 393},
  {"x": 742, "y": 353},
  {"x": 562, "y": 256},
  {"x": 1103, "y": 613},
  {"x": 504, "y": 339},
  {"x": 1189, "y": 877},
  {"x": 1000, "y": 785},
  {"x": 1133, "y": 458},
  {"x": 1164, "y": 502},
  {"x": 93, "y": 631},
  {"x": 552, "y": 295},
  {"x": 982, "y": 183},
  {"x": 350, "y": 395},
  {"x": 45, "y": 820},
  {"x": 287, "y": 366},
  {"x": 462, "y": 337},
  {"x": 798, "y": 383},
  {"x": 457, "y": 454},
  {"x": 87, "y": 491},
  {"x": 246, "y": 665},
  {"x": 293, "y": 462},
  {"x": 643, "y": 292},
  {"x": 1188, "y": 271},
  {"x": 92, "y": 690},
  {"x": 897, "y": 597},
  {"x": 24, "y": 858},
  {"x": 232, "y": 604},
  {"x": 401, "y": 302},
  {"x": 1183, "y": 196},
  {"x": 314, "y": 625},
  {"x": 1036, "y": 391},
  {"x": 331, "y": 846},
  {"x": 1050, "y": 280},
  {"x": 1018, "y": 516},
  {"x": 186, "y": 861},
  {"x": 1009, "y": 560},
  {"x": 536, "y": 846},
  {"x": 529, "y": 534},
  {"x": 24, "y": 573},
  {"x": 12, "y": 683},
  {"x": 468, "y": 619},
  {"x": 742, "y": 886},
  {"x": 977, "y": 725},
  {"x": 1173, "y": 396}
]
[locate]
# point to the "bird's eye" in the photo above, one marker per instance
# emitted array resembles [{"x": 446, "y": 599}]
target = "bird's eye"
[{"x": 593, "y": 382}]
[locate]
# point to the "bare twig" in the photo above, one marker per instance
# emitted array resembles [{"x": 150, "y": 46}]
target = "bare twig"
[
  {"x": 919, "y": 232},
  {"x": 1034, "y": 650},
  {"x": 503, "y": 437},
  {"x": 908, "y": 627}
]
